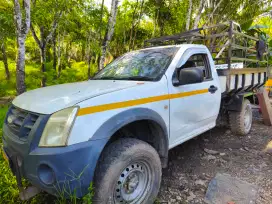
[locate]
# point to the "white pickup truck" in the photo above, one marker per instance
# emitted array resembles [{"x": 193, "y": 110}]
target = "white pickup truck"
[{"x": 116, "y": 129}]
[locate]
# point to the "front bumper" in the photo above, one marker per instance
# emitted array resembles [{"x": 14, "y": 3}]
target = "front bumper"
[{"x": 69, "y": 170}]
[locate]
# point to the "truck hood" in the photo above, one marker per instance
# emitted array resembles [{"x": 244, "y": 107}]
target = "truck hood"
[{"x": 50, "y": 99}]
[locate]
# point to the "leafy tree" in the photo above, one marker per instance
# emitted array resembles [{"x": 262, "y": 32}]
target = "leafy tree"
[
  {"x": 109, "y": 32},
  {"x": 7, "y": 30},
  {"x": 45, "y": 16},
  {"x": 188, "y": 17}
]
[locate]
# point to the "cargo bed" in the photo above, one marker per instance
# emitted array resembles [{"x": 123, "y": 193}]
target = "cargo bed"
[{"x": 246, "y": 79}]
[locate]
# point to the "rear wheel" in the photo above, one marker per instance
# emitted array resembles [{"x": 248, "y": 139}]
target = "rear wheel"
[
  {"x": 241, "y": 122},
  {"x": 129, "y": 171}
]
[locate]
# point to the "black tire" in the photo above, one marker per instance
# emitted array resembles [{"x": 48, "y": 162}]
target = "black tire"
[
  {"x": 238, "y": 121},
  {"x": 121, "y": 156}
]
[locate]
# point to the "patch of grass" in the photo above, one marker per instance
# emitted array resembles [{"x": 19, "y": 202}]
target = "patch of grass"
[
  {"x": 8, "y": 190},
  {"x": 8, "y": 186},
  {"x": 3, "y": 111},
  {"x": 77, "y": 72}
]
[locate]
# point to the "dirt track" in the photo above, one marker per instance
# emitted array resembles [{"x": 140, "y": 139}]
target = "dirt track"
[{"x": 191, "y": 168}]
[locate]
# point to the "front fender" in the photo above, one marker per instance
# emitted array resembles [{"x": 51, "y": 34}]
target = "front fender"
[
  {"x": 126, "y": 117},
  {"x": 118, "y": 121}
]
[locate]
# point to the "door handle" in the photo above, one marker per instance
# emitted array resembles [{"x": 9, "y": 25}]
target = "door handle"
[{"x": 212, "y": 89}]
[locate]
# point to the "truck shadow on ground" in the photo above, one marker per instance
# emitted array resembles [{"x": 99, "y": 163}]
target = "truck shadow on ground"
[{"x": 192, "y": 165}]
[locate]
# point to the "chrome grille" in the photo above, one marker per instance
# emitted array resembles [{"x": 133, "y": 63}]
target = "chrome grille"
[{"x": 21, "y": 122}]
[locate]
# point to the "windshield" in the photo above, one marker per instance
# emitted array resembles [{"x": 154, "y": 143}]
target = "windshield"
[{"x": 145, "y": 65}]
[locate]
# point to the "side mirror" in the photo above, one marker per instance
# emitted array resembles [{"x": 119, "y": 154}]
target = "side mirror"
[{"x": 191, "y": 75}]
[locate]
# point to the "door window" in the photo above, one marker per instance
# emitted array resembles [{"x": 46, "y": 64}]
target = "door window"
[{"x": 200, "y": 61}]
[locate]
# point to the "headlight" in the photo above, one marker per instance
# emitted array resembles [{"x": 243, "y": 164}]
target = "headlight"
[{"x": 57, "y": 129}]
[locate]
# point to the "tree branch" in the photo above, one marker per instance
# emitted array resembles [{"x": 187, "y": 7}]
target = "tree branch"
[
  {"x": 35, "y": 35},
  {"x": 200, "y": 9},
  {"x": 54, "y": 26},
  {"x": 188, "y": 20},
  {"x": 101, "y": 19},
  {"x": 34, "y": 2},
  {"x": 215, "y": 8}
]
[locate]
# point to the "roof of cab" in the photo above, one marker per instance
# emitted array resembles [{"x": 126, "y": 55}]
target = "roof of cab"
[{"x": 180, "y": 45}]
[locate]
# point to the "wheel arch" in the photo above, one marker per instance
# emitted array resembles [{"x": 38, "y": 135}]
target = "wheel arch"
[
  {"x": 235, "y": 102},
  {"x": 137, "y": 117}
]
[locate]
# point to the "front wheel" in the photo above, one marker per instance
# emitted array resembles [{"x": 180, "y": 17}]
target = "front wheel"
[
  {"x": 129, "y": 171},
  {"x": 241, "y": 122}
]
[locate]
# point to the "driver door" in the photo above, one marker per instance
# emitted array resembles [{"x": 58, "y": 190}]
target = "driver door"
[{"x": 196, "y": 110}]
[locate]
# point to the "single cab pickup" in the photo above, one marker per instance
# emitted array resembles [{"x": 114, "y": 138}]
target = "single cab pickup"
[{"x": 115, "y": 130}]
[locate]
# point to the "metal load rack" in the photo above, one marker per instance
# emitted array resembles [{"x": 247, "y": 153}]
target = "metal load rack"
[{"x": 241, "y": 60}]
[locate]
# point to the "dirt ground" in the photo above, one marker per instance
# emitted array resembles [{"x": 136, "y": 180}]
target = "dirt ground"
[{"x": 192, "y": 165}]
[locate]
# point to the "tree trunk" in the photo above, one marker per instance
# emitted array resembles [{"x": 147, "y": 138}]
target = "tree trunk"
[
  {"x": 5, "y": 60},
  {"x": 42, "y": 43},
  {"x": 132, "y": 26},
  {"x": 82, "y": 52},
  {"x": 68, "y": 56},
  {"x": 43, "y": 69},
  {"x": 155, "y": 23},
  {"x": 22, "y": 23},
  {"x": 101, "y": 18},
  {"x": 188, "y": 20},
  {"x": 54, "y": 52},
  {"x": 89, "y": 55},
  {"x": 109, "y": 32},
  {"x": 214, "y": 10},
  {"x": 197, "y": 18},
  {"x": 200, "y": 9},
  {"x": 161, "y": 16},
  {"x": 20, "y": 66},
  {"x": 89, "y": 66},
  {"x": 138, "y": 22},
  {"x": 59, "y": 56}
]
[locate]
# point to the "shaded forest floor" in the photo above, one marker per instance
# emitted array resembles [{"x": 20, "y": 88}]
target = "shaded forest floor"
[{"x": 191, "y": 168}]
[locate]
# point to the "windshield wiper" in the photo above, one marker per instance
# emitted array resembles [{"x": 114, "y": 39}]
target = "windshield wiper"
[
  {"x": 136, "y": 78},
  {"x": 139, "y": 78},
  {"x": 105, "y": 78}
]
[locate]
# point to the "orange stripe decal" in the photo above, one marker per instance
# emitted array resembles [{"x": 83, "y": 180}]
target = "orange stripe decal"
[{"x": 125, "y": 104}]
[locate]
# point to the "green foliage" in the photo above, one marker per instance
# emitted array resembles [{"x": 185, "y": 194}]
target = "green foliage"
[
  {"x": 6, "y": 20},
  {"x": 8, "y": 190},
  {"x": 87, "y": 199},
  {"x": 77, "y": 72},
  {"x": 80, "y": 30}
]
